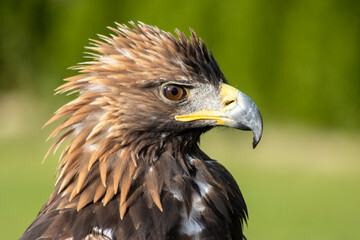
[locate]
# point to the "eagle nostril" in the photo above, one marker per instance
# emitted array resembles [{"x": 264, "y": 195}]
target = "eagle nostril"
[{"x": 228, "y": 102}]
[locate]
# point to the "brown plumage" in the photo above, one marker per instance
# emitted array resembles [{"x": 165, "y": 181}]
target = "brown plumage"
[{"x": 132, "y": 167}]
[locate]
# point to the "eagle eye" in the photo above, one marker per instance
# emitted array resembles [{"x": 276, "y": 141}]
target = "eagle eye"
[{"x": 174, "y": 92}]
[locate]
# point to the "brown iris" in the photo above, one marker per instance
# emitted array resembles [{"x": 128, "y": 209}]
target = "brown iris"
[{"x": 174, "y": 92}]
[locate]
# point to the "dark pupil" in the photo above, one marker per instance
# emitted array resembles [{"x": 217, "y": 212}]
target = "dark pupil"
[{"x": 174, "y": 91}]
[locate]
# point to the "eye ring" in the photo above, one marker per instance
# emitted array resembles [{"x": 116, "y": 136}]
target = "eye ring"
[{"x": 173, "y": 92}]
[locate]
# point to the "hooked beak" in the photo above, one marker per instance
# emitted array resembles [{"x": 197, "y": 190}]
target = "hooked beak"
[{"x": 237, "y": 110}]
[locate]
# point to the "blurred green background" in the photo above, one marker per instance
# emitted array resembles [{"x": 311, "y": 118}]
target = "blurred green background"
[{"x": 298, "y": 60}]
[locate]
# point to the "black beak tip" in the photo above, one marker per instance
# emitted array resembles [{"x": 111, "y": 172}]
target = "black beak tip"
[
  {"x": 255, "y": 143},
  {"x": 257, "y": 134}
]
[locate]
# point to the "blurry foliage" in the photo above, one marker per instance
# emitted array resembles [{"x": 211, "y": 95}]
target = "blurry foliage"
[{"x": 298, "y": 60}]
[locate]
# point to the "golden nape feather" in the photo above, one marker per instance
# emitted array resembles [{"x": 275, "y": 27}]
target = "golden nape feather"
[{"x": 132, "y": 167}]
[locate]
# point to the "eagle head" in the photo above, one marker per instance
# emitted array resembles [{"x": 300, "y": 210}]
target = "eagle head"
[{"x": 145, "y": 80}]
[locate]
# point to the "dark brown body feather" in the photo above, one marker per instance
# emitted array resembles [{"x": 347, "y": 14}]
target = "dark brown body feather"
[
  {"x": 222, "y": 207},
  {"x": 130, "y": 171}
]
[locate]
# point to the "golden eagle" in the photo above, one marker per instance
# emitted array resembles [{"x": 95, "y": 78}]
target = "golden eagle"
[{"x": 132, "y": 167}]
